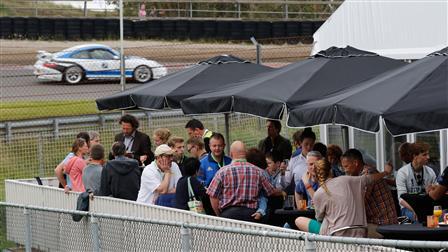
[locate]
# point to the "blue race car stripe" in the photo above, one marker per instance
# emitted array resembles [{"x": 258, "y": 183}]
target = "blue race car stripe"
[{"x": 108, "y": 72}]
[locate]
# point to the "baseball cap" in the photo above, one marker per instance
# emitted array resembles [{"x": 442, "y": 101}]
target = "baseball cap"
[{"x": 163, "y": 149}]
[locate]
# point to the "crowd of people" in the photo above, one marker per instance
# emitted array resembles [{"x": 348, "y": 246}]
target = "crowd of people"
[{"x": 250, "y": 184}]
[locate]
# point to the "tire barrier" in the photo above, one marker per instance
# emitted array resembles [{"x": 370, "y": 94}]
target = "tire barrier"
[
  {"x": 109, "y": 29},
  {"x": 32, "y": 28},
  {"x": 168, "y": 29},
  {"x": 223, "y": 30},
  {"x": 196, "y": 30},
  {"x": 19, "y": 27},
  {"x": 60, "y": 29},
  {"x": 46, "y": 28},
  {"x": 87, "y": 29},
  {"x": 250, "y": 30},
  {"x": 74, "y": 29},
  {"x": 182, "y": 29},
  {"x": 99, "y": 29},
  {"x": 6, "y": 28}
]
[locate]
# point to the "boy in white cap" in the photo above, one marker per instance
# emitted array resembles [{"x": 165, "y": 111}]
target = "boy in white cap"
[{"x": 160, "y": 177}]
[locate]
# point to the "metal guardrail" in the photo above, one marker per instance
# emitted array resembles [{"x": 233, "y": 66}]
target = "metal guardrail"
[
  {"x": 98, "y": 226},
  {"x": 8, "y": 128},
  {"x": 234, "y": 9},
  {"x": 26, "y": 195}
]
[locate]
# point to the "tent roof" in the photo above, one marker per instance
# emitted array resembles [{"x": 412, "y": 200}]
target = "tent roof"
[{"x": 399, "y": 29}]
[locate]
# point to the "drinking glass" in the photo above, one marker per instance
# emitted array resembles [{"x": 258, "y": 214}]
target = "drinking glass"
[{"x": 437, "y": 212}]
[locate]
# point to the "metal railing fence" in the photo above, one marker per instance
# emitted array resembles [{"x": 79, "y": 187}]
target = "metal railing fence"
[
  {"x": 48, "y": 229},
  {"x": 189, "y": 9}
]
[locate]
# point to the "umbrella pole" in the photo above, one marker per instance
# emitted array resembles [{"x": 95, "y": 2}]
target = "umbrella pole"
[
  {"x": 226, "y": 132},
  {"x": 380, "y": 146}
]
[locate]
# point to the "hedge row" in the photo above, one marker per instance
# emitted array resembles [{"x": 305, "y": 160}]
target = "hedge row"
[{"x": 100, "y": 29}]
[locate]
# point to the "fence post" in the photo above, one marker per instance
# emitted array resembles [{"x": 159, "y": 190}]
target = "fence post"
[
  {"x": 95, "y": 234},
  {"x": 85, "y": 8},
  {"x": 8, "y": 128},
  {"x": 186, "y": 239},
  {"x": 310, "y": 246},
  {"x": 56, "y": 128},
  {"x": 27, "y": 230},
  {"x": 149, "y": 115},
  {"x": 40, "y": 154},
  {"x": 258, "y": 49}
]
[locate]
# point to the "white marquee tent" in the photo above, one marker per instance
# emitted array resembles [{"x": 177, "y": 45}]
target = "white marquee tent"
[{"x": 400, "y": 29}]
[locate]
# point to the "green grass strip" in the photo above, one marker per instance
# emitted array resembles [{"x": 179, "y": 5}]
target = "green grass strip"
[{"x": 23, "y": 110}]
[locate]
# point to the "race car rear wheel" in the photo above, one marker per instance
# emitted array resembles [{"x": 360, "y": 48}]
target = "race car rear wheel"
[
  {"x": 73, "y": 75},
  {"x": 142, "y": 74}
]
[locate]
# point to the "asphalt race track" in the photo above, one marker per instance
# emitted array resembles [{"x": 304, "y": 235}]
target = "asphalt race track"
[{"x": 19, "y": 84}]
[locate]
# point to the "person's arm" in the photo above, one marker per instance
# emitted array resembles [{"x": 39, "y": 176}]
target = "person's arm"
[
  {"x": 377, "y": 176},
  {"x": 164, "y": 185},
  {"x": 308, "y": 187},
  {"x": 105, "y": 187},
  {"x": 437, "y": 192},
  {"x": 215, "y": 205},
  {"x": 286, "y": 174},
  {"x": 59, "y": 172},
  {"x": 401, "y": 183},
  {"x": 262, "y": 207},
  {"x": 405, "y": 204}
]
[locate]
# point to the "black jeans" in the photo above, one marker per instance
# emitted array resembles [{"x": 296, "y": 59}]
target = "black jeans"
[{"x": 239, "y": 213}]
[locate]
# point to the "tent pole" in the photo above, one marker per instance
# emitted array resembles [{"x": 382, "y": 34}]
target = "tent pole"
[
  {"x": 226, "y": 132},
  {"x": 380, "y": 146},
  {"x": 443, "y": 149}
]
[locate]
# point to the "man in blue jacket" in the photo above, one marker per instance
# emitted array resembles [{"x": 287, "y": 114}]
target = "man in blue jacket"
[{"x": 216, "y": 159}]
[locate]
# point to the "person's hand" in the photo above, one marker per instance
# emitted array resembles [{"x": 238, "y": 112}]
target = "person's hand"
[
  {"x": 257, "y": 216},
  {"x": 283, "y": 167},
  {"x": 165, "y": 165},
  {"x": 429, "y": 188},
  {"x": 306, "y": 177},
  {"x": 143, "y": 158},
  {"x": 67, "y": 189}
]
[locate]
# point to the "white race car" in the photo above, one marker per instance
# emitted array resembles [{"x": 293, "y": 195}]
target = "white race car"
[{"x": 93, "y": 61}]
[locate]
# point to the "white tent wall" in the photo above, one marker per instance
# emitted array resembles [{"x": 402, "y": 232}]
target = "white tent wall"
[{"x": 400, "y": 29}]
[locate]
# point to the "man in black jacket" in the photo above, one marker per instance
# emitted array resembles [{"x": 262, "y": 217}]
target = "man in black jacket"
[
  {"x": 138, "y": 144},
  {"x": 274, "y": 141},
  {"x": 120, "y": 177}
]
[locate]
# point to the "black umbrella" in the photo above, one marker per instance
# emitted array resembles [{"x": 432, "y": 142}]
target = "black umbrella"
[
  {"x": 267, "y": 94},
  {"x": 413, "y": 98},
  {"x": 168, "y": 91}
]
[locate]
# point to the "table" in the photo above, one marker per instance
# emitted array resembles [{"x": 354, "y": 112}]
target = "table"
[
  {"x": 423, "y": 205},
  {"x": 413, "y": 232},
  {"x": 290, "y": 216}
]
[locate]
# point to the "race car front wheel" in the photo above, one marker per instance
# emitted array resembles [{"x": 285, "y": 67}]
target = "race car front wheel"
[
  {"x": 142, "y": 74},
  {"x": 73, "y": 75}
]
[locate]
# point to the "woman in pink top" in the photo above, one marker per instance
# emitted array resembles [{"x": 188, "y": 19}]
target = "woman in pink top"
[{"x": 76, "y": 165}]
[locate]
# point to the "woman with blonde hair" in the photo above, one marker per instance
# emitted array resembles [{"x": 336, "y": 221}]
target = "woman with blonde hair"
[
  {"x": 339, "y": 201},
  {"x": 161, "y": 136}
]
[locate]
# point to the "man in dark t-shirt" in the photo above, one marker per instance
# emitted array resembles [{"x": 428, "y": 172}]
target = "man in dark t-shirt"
[
  {"x": 274, "y": 141},
  {"x": 436, "y": 192}
]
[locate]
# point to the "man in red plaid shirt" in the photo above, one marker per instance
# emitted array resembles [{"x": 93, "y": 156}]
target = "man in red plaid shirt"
[{"x": 235, "y": 190}]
